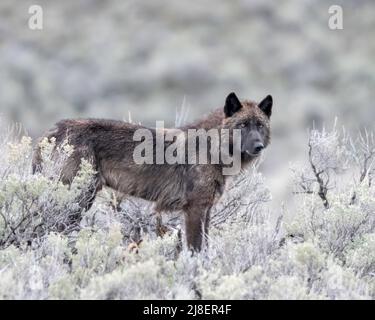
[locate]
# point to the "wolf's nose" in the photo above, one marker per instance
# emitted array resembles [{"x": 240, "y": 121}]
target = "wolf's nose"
[{"x": 258, "y": 147}]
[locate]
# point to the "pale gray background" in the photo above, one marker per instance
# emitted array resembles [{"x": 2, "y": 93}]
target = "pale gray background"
[{"x": 105, "y": 58}]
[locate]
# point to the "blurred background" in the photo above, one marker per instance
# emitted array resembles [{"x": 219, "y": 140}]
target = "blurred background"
[{"x": 107, "y": 58}]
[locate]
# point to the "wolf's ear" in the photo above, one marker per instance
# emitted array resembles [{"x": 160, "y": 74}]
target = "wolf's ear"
[
  {"x": 266, "y": 105},
  {"x": 232, "y": 105}
]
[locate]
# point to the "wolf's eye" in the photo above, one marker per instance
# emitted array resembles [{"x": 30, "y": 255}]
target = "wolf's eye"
[
  {"x": 260, "y": 125},
  {"x": 242, "y": 125}
]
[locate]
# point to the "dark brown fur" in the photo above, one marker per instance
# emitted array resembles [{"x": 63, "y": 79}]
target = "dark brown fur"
[{"x": 189, "y": 188}]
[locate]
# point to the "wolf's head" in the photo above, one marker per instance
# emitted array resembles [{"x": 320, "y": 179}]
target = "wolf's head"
[{"x": 253, "y": 119}]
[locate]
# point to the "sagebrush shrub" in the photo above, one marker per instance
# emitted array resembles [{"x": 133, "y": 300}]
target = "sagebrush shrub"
[{"x": 325, "y": 251}]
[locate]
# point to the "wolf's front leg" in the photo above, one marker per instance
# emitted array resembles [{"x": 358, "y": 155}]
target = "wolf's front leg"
[{"x": 196, "y": 226}]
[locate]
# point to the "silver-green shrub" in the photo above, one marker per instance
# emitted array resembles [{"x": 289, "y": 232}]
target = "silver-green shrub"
[{"x": 322, "y": 249}]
